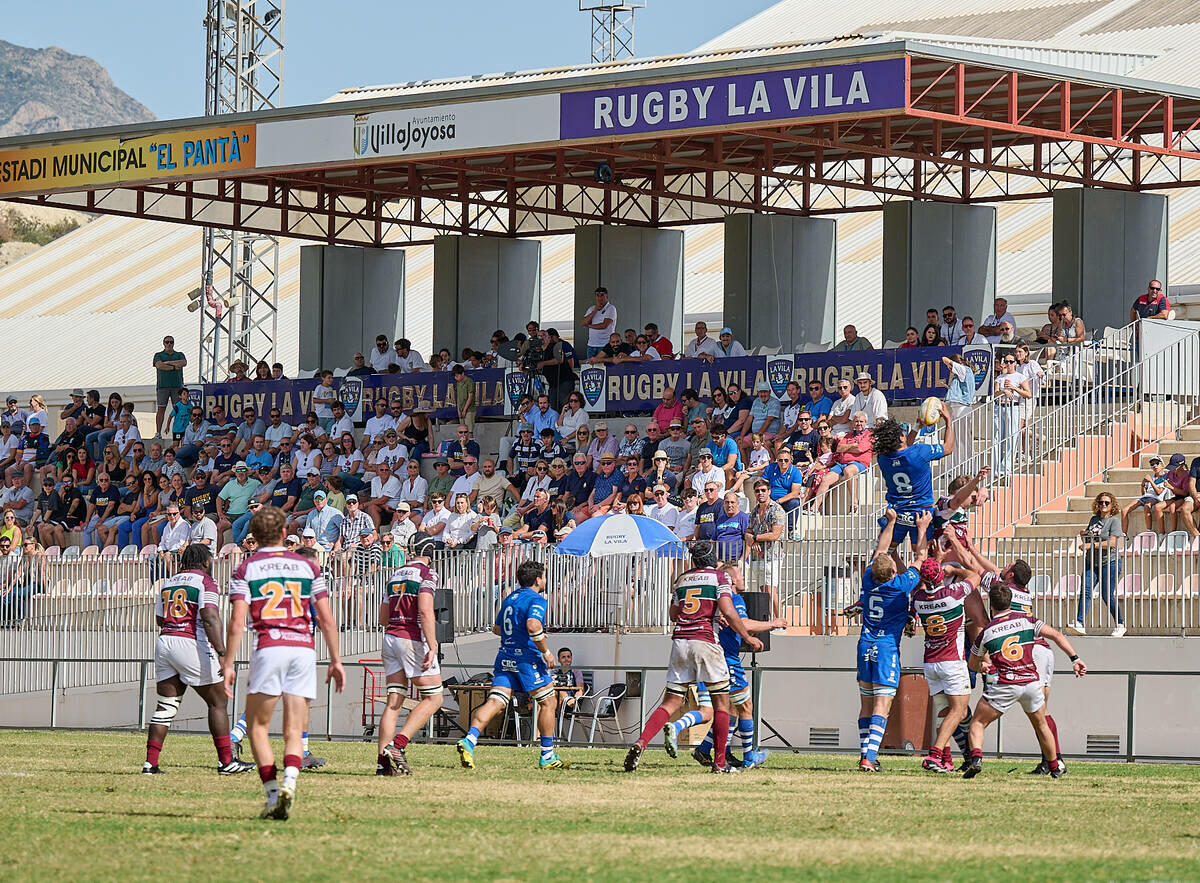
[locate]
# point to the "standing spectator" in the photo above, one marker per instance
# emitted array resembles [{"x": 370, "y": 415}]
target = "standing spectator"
[
  {"x": 323, "y": 398},
  {"x": 599, "y": 320},
  {"x": 1151, "y": 305},
  {"x": 1033, "y": 373},
  {"x": 971, "y": 337},
  {"x": 382, "y": 357},
  {"x": 360, "y": 369},
  {"x": 1102, "y": 563},
  {"x": 729, "y": 529},
  {"x": 1008, "y": 390},
  {"x": 991, "y": 325},
  {"x": 727, "y": 346},
  {"x": 464, "y": 397},
  {"x": 168, "y": 369},
  {"x": 869, "y": 400},
  {"x": 786, "y": 483},
  {"x": 708, "y": 511},
  {"x": 851, "y": 342},
  {"x": 669, "y": 409},
  {"x": 960, "y": 396},
  {"x": 702, "y": 346},
  {"x": 951, "y": 330},
  {"x": 556, "y": 368},
  {"x": 764, "y": 541},
  {"x": 661, "y": 344},
  {"x": 408, "y": 360}
]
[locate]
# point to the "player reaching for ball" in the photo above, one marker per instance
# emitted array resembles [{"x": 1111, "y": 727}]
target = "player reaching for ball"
[
  {"x": 885, "y": 607},
  {"x": 522, "y": 665},
  {"x": 1008, "y": 642},
  {"x": 702, "y": 594},
  {"x": 907, "y": 473},
  {"x": 410, "y": 654},
  {"x": 274, "y": 587},
  {"x": 186, "y": 655}
]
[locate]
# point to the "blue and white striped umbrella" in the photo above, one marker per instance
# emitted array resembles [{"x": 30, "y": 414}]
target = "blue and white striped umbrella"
[{"x": 621, "y": 535}]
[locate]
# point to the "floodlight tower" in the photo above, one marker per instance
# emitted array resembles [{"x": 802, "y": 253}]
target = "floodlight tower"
[
  {"x": 238, "y": 296},
  {"x": 612, "y": 28}
]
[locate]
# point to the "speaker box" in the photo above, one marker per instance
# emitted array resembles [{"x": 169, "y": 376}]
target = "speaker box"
[
  {"x": 443, "y": 615},
  {"x": 758, "y": 606}
]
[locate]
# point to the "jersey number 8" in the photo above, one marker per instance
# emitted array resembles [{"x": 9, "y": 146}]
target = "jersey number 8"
[
  {"x": 175, "y": 603},
  {"x": 902, "y": 482},
  {"x": 935, "y": 626}
]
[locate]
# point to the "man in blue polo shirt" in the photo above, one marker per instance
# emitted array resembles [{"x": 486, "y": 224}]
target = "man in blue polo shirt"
[
  {"x": 787, "y": 483},
  {"x": 818, "y": 404},
  {"x": 725, "y": 453}
]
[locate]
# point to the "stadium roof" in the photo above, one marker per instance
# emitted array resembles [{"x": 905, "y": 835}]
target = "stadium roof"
[{"x": 839, "y": 128}]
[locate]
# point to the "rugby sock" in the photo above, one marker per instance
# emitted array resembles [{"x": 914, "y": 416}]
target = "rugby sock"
[
  {"x": 657, "y": 721},
  {"x": 291, "y": 767},
  {"x": 705, "y": 747},
  {"x": 1054, "y": 729},
  {"x": 304, "y": 741},
  {"x": 960, "y": 737},
  {"x": 864, "y": 730},
  {"x": 977, "y": 752},
  {"x": 401, "y": 741},
  {"x": 878, "y": 725},
  {"x": 224, "y": 749},
  {"x": 547, "y": 743},
  {"x": 238, "y": 733},
  {"x": 947, "y": 757},
  {"x": 688, "y": 720},
  {"x": 745, "y": 728},
  {"x": 1055, "y": 764},
  {"x": 152, "y": 751},
  {"x": 472, "y": 736},
  {"x": 267, "y": 773},
  {"x": 721, "y": 735}
]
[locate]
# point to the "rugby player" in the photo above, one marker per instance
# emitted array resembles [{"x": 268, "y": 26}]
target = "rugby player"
[
  {"x": 523, "y": 664},
  {"x": 908, "y": 476},
  {"x": 274, "y": 587},
  {"x": 186, "y": 655},
  {"x": 885, "y": 605},
  {"x": 410, "y": 654},
  {"x": 702, "y": 594},
  {"x": 1008, "y": 642},
  {"x": 952, "y": 511}
]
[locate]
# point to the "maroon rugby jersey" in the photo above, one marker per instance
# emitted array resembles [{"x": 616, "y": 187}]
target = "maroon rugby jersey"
[
  {"x": 279, "y": 586},
  {"x": 179, "y": 603},
  {"x": 404, "y": 589},
  {"x": 696, "y": 596},
  {"x": 1008, "y": 640},
  {"x": 942, "y": 615}
]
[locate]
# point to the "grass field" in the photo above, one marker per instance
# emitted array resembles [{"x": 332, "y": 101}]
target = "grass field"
[{"x": 74, "y": 806}]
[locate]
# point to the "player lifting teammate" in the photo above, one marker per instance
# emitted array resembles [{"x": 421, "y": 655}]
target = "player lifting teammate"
[
  {"x": 274, "y": 587},
  {"x": 410, "y": 654},
  {"x": 885, "y": 606},
  {"x": 186, "y": 655},
  {"x": 1008, "y": 641},
  {"x": 522, "y": 664},
  {"x": 702, "y": 594}
]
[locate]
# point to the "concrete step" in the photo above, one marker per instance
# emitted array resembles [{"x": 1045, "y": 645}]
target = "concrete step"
[
  {"x": 1072, "y": 521},
  {"x": 1125, "y": 475},
  {"x": 1188, "y": 448},
  {"x": 1123, "y": 491},
  {"x": 1044, "y": 531},
  {"x": 1189, "y": 433},
  {"x": 1075, "y": 519}
]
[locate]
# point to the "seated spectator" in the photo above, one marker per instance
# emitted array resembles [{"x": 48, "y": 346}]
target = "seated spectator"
[
  {"x": 1154, "y": 493},
  {"x": 10, "y": 444},
  {"x": 850, "y": 342},
  {"x": 573, "y": 416},
  {"x": 852, "y": 455},
  {"x": 669, "y": 409},
  {"x": 609, "y": 352},
  {"x": 764, "y": 416},
  {"x": 685, "y": 527},
  {"x": 442, "y": 481},
  {"x": 605, "y": 490},
  {"x": 14, "y": 414},
  {"x": 558, "y": 472},
  {"x": 790, "y": 409},
  {"x": 660, "y": 343},
  {"x": 971, "y": 337},
  {"x": 722, "y": 408},
  {"x": 693, "y": 408},
  {"x": 803, "y": 441},
  {"x": 931, "y": 335},
  {"x": 18, "y": 499},
  {"x": 1151, "y": 305},
  {"x": 522, "y": 456},
  {"x": 34, "y": 453},
  {"x": 631, "y": 443},
  {"x": 543, "y": 417},
  {"x": 662, "y": 509},
  {"x": 462, "y": 445},
  {"x": 912, "y": 338},
  {"x": 702, "y": 346},
  {"x": 726, "y": 456},
  {"x": 991, "y": 325},
  {"x": 660, "y": 472},
  {"x": 67, "y": 511},
  {"x": 226, "y": 459},
  {"x": 276, "y": 431},
  {"x": 677, "y": 448},
  {"x": 602, "y": 443},
  {"x": 632, "y": 481},
  {"x": 728, "y": 347},
  {"x": 787, "y": 484},
  {"x": 235, "y": 496},
  {"x": 176, "y": 533},
  {"x": 698, "y": 439},
  {"x": 1179, "y": 504},
  {"x": 145, "y": 504},
  {"x": 951, "y": 327},
  {"x": 738, "y": 424},
  {"x": 539, "y": 516},
  {"x": 869, "y": 399},
  {"x": 220, "y": 426},
  {"x": 460, "y": 532},
  {"x": 642, "y": 352},
  {"x": 466, "y": 485},
  {"x": 707, "y": 473},
  {"x": 821, "y": 463},
  {"x": 384, "y": 494},
  {"x": 578, "y": 481},
  {"x": 1074, "y": 331},
  {"x": 341, "y": 423}
]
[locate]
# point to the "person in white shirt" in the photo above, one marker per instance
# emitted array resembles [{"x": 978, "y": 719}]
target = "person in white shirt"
[
  {"x": 414, "y": 489},
  {"x": 341, "y": 421},
  {"x": 951, "y": 329},
  {"x": 685, "y": 527},
  {"x": 702, "y": 346},
  {"x": 384, "y": 494},
  {"x": 460, "y": 529},
  {"x": 991, "y": 325},
  {"x": 436, "y": 519},
  {"x": 394, "y": 454},
  {"x": 663, "y": 510},
  {"x": 969, "y": 335},
  {"x": 1034, "y": 375},
  {"x": 276, "y": 431},
  {"x": 465, "y": 486},
  {"x": 642, "y": 352},
  {"x": 408, "y": 359},
  {"x": 728, "y": 347},
  {"x": 599, "y": 320},
  {"x": 843, "y": 407},
  {"x": 707, "y": 471},
  {"x": 378, "y": 423},
  {"x": 403, "y": 526},
  {"x": 176, "y": 533},
  {"x": 1008, "y": 389},
  {"x": 869, "y": 400},
  {"x": 125, "y": 435},
  {"x": 382, "y": 356}
]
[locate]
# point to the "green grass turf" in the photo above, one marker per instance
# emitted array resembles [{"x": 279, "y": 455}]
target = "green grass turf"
[{"x": 73, "y": 806}]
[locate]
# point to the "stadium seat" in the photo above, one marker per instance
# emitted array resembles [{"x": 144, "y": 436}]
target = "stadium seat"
[
  {"x": 149, "y": 550},
  {"x": 1162, "y": 586},
  {"x": 142, "y": 587},
  {"x": 1190, "y": 587},
  {"x": 1130, "y": 586},
  {"x": 602, "y": 707},
  {"x": 53, "y": 553},
  {"x": 109, "y": 552},
  {"x": 227, "y": 549},
  {"x": 1175, "y": 541},
  {"x": 90, "y": 552},
  {"x": 121, "y": 587},
  {"x": 1066, "y": 587},
  {"x": 129, "y": 553},
  {"x": 1146, "y": 541},
  {"x": 1040, "y": 586},
  {"x": 70, "y": 553}
]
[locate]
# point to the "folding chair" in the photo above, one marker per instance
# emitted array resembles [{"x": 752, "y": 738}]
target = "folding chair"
[{"x": 602, "y": 707}]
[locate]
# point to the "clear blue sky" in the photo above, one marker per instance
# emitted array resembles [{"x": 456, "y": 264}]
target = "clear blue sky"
[{"x": 155, "y": 51}]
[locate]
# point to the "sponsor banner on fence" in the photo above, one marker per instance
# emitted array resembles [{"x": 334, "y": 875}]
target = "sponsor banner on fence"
[
  {"x": 188, "y": 153},
  {"x": 740, "y": 100}
]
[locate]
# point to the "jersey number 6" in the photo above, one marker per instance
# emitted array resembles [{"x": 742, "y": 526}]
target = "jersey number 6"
[{"x": 1011, "y": 649}]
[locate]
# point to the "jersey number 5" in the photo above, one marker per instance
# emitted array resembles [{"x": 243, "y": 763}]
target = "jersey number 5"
[
  {"x": 691, "y": 601},
  {"x": 278, "y": 594},
  {"x": 875, "y": 608}
]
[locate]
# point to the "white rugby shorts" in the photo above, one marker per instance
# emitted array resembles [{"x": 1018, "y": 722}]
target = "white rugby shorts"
[
  {"x": 195, "y": 662},
  {"x": 1002, "y": 696},
  {"x": 951, "y": 677},
  {"x": 693, "y": 661},
  {"x": 405, "y": 655},
  {"x": 278, "y": 670},
  {"x": 1043, "y": 658}
]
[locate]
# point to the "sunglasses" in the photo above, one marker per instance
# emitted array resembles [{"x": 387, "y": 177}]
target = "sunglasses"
[
  {"x": 762, "y": 490},
  {"x": 1103, "y": 503},
  {"x": 1156, "y": 288},
  {"x": 631, "y": 432}
]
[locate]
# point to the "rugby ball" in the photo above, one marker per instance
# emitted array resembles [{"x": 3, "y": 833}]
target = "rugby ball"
[{"x": 931, "y": 411}]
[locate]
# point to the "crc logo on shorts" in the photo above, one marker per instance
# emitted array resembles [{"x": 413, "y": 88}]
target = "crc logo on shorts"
[
  {"x": 515, "y": 384},
  {"x": 779, "y": 373},
  {"x": 979, "y": 360},
  {"x": 508, "y": 665},
  {"x": 591, "y": 380},
  {"x": 871, "y": 654},
  {"x": 350, "y": 392}
]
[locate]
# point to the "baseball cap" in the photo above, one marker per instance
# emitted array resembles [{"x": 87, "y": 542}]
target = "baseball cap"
[
  {"x": 292, "y": 538},
  {"x": 350, "y": 498},
  {"x": 506, "y": 529},
  {"x": 308, "y": 532},
  {"x": 728, "y": 331},
  {"x": 526, "y": 427},
  {"x": 863, "y": 375},
  {"x": 1177, "y": 460},
  {"x": 366, "y": 531},
  {"x": 34, "y": 419},
  {"x": 403, "y": 507},
  {"x": 319, "y": 495},
  {"x": 11, "y": 399},
  {"x": 762, "y": 386},
  {"x": 196, "y": 504},
  {"x": 1155, "y": 459}
]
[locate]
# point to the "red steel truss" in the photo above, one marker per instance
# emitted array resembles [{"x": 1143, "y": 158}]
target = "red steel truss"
[{"x": 972, "y": 133}]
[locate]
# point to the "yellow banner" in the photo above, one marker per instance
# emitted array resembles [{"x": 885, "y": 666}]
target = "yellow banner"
[{"x": 190, "y": 153}]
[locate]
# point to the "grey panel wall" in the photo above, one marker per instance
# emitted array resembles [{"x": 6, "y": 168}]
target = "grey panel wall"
[
  {"x": 480, "y": 284},
  {"x": 1107, "y": 245},
  {"x": 643, "y": 272},
  {"x": 936, "y": 254},
  {"x": 780, "y": 280},
  {"x": 348, "y": 295}
]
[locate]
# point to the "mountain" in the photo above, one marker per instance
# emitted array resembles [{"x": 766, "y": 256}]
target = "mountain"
[{"x": 49, "y": 90}]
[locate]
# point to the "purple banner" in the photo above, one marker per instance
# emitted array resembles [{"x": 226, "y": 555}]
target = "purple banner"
[{"x": 743, "y": 99}]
